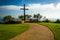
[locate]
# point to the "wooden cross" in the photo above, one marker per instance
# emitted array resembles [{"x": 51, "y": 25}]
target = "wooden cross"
[{"x": 24, "y": 11}]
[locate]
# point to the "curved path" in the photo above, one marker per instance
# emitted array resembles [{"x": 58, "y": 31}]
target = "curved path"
[{"x": 35, "y": 32}]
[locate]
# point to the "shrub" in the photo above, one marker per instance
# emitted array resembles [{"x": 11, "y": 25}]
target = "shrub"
[
  {"x": 12, "y": 22},
  {"x": 46, "y": 20},
  {"x": 57, "y": 21}
]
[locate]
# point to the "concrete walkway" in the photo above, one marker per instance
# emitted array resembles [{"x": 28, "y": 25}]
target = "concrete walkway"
[{"x": 35, "y": 32}]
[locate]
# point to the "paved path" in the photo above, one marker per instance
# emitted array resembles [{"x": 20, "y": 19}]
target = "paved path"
[{"x": 35, "y": 32}]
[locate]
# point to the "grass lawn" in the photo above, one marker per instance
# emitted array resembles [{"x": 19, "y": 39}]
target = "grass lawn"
[
  {"x": 55, "y": 27},
  {"x": 8, "y": 31}
]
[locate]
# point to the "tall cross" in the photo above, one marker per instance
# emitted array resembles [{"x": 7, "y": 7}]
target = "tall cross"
[{"x": 24, "y": 11}]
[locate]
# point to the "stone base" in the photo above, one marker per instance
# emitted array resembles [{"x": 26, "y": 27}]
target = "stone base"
[{"x": 22, "y": 21}]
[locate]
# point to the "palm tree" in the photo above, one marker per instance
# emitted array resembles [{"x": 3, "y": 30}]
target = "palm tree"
[
  {"x": 35, "y": 16},
  {"x": 38, "y": 16},
  {"x": 26, "y": 16},
  {"x": 21, "y": 17},
  {"x": 44, "y": 18}
]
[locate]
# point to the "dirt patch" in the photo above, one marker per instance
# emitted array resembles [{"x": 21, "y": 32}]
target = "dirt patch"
[{"x": 35, "y": 32}]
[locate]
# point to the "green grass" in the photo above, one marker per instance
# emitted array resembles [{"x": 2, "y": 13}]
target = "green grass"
[
  {"x": 55, "y": 27},
  {"x": 8, "y": 31}
]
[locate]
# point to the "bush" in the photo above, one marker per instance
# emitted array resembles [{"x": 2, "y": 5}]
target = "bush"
[
  {"x": 46, "y": 20},
  {"x": 57, "y": 21},
  {"x": 33, "y": 20},
  {"x": 12, "y": 22}
]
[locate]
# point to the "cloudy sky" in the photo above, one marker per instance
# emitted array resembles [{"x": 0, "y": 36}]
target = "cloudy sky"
[{"x": 48, "y": 8}]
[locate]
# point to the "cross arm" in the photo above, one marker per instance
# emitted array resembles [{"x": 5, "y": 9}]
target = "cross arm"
[{"x": 23, "y": 9}]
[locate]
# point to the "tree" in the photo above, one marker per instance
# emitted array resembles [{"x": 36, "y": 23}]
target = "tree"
[
  {"x": 57, "y": 21},
  {"x": 21, "y": 17},
  {"x": 8, "y": 18},
  {"x": 26, "y": 16},
  {"x": 46, "y": 20},
  {"x": 38, "y": 16}
]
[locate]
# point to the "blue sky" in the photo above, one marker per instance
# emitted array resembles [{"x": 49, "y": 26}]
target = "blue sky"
[
  {"x": 48, "y": 8},
  {"x": 20, "y": 2}
]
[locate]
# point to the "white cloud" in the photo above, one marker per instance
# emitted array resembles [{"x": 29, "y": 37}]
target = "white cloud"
[
  {"x": 48, "y": 10},
  {"x": 11, "y": 7}
]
